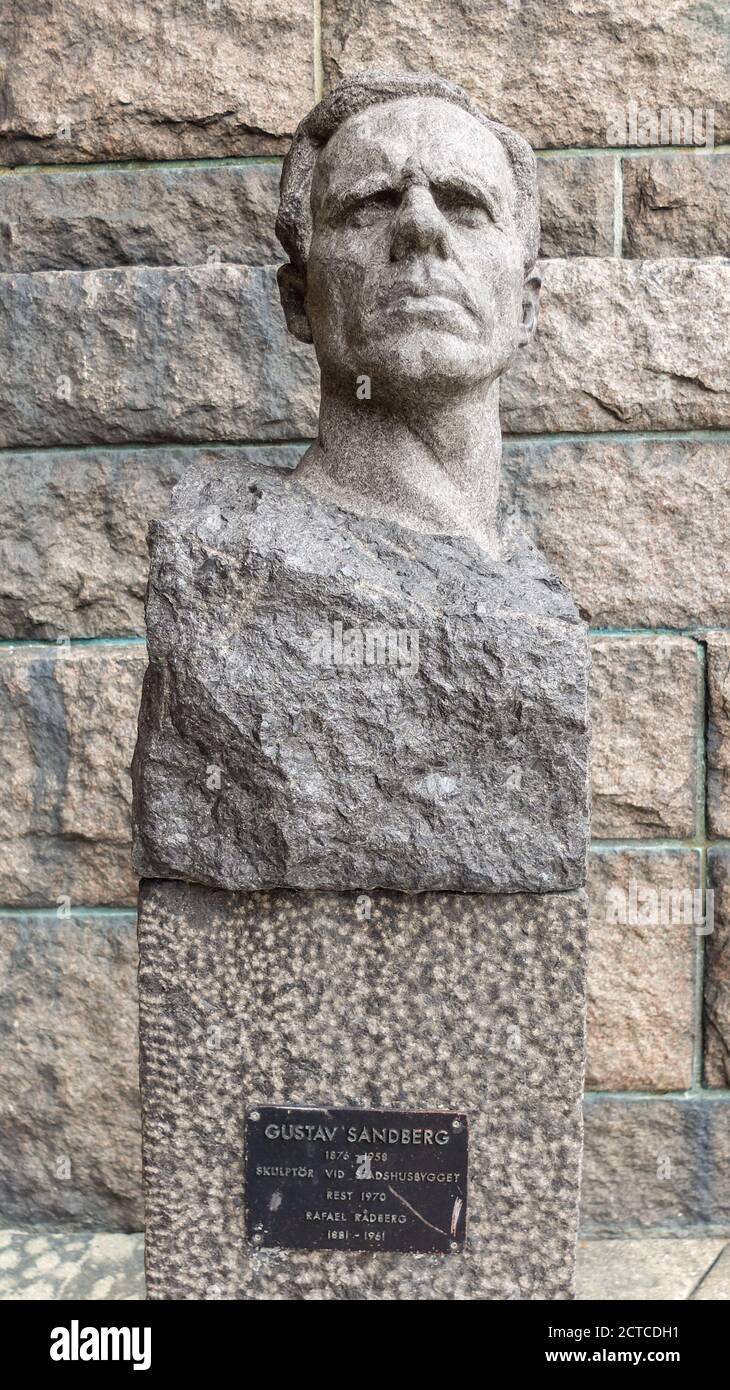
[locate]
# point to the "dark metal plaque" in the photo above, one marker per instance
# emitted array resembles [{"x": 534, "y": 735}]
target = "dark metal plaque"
[{"x": 321, "y": 1179}]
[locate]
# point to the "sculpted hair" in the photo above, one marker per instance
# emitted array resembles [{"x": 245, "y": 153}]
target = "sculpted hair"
[{"x": 354, "y": 94}]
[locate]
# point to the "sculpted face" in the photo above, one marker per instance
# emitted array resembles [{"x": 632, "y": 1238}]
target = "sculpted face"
[{"x": 415, "y": 273}]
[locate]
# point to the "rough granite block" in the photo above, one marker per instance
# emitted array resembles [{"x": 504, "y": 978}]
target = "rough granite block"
[
  {"x": 264, "y": 761},
  {"x": 717, "y": 974},
  {"x": 92, "y": 219},
  {"x": 150, "y": 353},
  {"x": 635, "y": 528},
  {"x": 625, "y": 345},
  {"x": 644, "y": 921},
  {"x": 68, "y": 717},
  {"x": 656, "y": 1166},
  {"x": 69, "y": 1103},
  {"x": 646, "y": 704},
  {"x": 101, "y": 502},
  {"x": 577, "y": 195},
  {"x": 470, "y": 1002},
  {"x": 153, "y": 81},
  {"x": 557, "y": 73},
  {"x": 718, "y": 733},
  {"x": 677, "y": 205}
]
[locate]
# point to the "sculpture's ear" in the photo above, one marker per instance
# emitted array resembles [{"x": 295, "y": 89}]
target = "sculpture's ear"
[
  {"x": 293, "y": 289},
  {"x": 530, "y": 305}
]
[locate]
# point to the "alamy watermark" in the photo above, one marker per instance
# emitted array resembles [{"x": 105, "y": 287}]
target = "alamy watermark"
[
  {"x": 370, "y": 646},
  {"x": 670, "y": 125},
  {"x": 645, "y": 906}
]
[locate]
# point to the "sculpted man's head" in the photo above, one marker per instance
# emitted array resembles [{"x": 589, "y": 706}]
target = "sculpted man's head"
[{"x": 411, "y": 225}]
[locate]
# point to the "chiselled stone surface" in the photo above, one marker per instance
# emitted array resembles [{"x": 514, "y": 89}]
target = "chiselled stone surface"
[
  {"x": 645, "y": 702},
  {"x": 717, "y": 974},
  {"x": 677, "y": 205},
  {"x": 625, "y": 345},
  {"x": 411, "y": 1002},
  {"x": 69, "y": 1104},
  {"x": 147, "y": 354},
  {"x": 268, "y": 758},
  {"x": 645, "y": 912},
  {"x": 74, "y": 1265},
  {"x": 556, "y": 74},
  {"x": 643, "y": 1270},
  {"x": 87, "y": 220},
  {"x": 718, "y": 733},
  {"x": 73, "y": 556},
  {"x": 656, "y": 1165},
  {"x": 153, "y": 81},
  {"x": 577, "y": 194},
  {"x": 635, "y": 528},
  {"x": 68, "y": 719}
]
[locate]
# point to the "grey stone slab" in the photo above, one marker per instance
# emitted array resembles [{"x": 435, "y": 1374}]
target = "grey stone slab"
[
  {"x": 447, "y": 1001},
  {"x": 635, "y": 528},
  {"x": 69, "y": 1107},
  {"x": 153, "y": 81},
  {"x": 656, "y": 1166},
  {"x": 68, "y": 718},
  {"x": 150, "y": 354},
  {"x": 646, "y": 702},
  {"x": 92, "y": 219},
  {"x": 677, "y": 205},
  {"x": 561, "y": 75},
  {"x": 73, "y": 554},
  {"x": 642, "y": 1270},
  {"x": 59, "y": 1266},
  {"x": 577, "y": 198},
  {"x": 625, "y": 345},
  {"x": 646, "y": 913},
  {"x": 717, "y": 645},
  {"x": 717, "y": 974},
  {"x": 268, "y": 758}
]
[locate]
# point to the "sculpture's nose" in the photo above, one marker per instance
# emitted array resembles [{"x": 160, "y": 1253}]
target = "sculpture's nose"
[{"x": 420, "y": 226}]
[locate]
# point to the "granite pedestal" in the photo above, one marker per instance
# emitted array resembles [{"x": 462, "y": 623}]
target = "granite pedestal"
[{"x": 468, "y": 1002}]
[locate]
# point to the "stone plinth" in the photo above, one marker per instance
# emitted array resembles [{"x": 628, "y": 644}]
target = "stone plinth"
[{"x": 439, "y": 1000}]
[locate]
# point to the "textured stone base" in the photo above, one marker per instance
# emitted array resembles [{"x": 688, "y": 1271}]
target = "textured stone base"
[{"x": 439, "y": 1000}]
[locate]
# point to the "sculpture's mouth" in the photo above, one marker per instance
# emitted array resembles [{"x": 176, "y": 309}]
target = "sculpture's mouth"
[{"x": 428, "y": 296}]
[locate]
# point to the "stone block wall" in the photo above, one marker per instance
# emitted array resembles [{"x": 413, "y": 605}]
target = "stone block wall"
[{"x": 140, "y": 147}]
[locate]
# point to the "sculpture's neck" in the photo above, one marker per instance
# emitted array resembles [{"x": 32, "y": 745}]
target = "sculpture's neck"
[{"x": 434, "y": 469}]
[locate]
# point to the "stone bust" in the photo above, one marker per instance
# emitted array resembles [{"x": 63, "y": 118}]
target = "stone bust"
[
  {"x": 269, "y": 758},
  {"x": 411, "y": 225}
]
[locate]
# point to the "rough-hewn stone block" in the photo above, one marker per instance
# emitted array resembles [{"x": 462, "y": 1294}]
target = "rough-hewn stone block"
[
  {"x": 69, "y": 1102},
  {"x": 153, "y": 81},
  {"x": 311, "y": 657},
  {"x": 107, "y": 356},
  {"x": 71, "y": 1265},
  {"x": 641, "y": 965},
  {"x": 717, "y": 974},
  {"x": 656, "y": 1165},
  {"x": 577, "y": 196},
  {"x": 677, "y": 205},
  {"x": 68, "y": 718},
  {"x": 718, "y": 733},
  {"x": 88, "y": 220},
  {"x": 635, "y": 528},
  {"x": 625, "y": 345},
  {"x": 73, "y": 557},
  {"x": 555, "y": 73},
  {"x": 645, "y": 702}
]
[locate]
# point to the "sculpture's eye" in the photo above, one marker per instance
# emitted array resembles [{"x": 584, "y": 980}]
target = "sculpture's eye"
[
  {"x": 372, "y": 209},
  {"x": 462, "y": 207}
]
